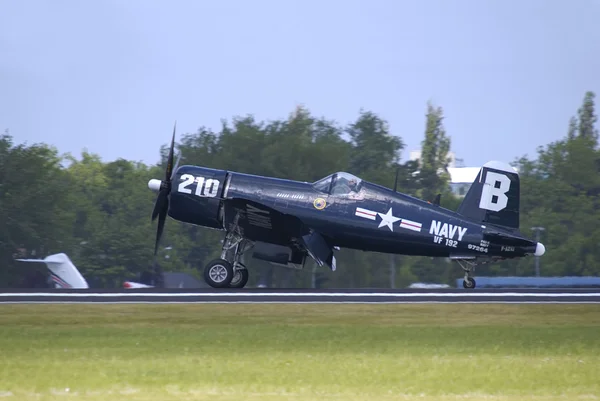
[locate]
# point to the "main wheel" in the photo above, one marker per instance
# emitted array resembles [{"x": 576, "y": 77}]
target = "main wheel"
[
  {"x": 218, "y": 273},
  {"x": 469, "y": 283},
  {"x": 240, "y": 278}
]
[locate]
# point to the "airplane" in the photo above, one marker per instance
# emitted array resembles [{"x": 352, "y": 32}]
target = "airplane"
[
  {"x": 283, "y": 221},
  {"x": 64, "y": 274}
]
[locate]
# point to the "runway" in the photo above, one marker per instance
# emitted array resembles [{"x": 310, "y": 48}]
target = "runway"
[{"x": 152, "y": 295}]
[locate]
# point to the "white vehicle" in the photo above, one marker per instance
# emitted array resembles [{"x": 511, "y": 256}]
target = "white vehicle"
[{"x": 428, "y": 286}]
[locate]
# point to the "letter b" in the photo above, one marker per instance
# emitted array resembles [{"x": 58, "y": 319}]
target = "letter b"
[{"x": 493, "y": 195}]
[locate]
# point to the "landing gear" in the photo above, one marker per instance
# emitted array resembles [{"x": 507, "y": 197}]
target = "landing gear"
[
  {"x": 228, "y": 271},
  {"x": 468, "y": 281},
  {"x": 240, "y": 278},
  {"x": 218, "y": 273}
]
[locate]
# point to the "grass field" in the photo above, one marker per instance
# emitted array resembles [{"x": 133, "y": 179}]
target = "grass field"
[{"x": 299, "y": 352}]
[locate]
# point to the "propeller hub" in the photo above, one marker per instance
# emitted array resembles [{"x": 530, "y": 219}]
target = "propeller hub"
[{"x": 154, "y": 185}]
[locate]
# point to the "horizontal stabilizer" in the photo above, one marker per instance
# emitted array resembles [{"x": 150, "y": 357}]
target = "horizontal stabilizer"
[{"x": 506, "y": 239}]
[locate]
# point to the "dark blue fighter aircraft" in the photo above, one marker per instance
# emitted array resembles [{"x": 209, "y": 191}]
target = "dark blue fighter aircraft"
[{"x": 284, "y": 221}]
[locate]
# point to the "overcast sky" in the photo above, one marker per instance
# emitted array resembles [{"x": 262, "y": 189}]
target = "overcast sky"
[{"x": 114, "y": 75}]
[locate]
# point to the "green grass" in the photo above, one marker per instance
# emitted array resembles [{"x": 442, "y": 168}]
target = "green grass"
[{"x": 299, "y": 352}]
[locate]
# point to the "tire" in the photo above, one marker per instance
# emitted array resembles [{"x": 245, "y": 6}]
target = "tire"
[
  {"x": 469, "y": 284},
  {"x": 218, "y": 273},
  {"x": 240, "y": 278}
]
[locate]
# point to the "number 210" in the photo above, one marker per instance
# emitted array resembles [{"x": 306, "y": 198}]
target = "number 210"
[{"x": 208, "y": 188}]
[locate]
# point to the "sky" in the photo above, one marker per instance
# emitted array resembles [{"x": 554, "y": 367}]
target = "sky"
[{"x": 112, "y": 76}]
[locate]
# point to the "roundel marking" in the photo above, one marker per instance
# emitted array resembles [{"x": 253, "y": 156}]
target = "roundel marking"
[{"x": 319, "y": 203}]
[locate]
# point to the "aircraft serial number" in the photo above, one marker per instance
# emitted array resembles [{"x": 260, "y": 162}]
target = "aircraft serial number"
[{"x": 478, "y": 248}]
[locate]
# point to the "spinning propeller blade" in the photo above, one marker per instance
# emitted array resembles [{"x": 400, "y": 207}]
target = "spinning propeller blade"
[{"x": 161, "y": 206}]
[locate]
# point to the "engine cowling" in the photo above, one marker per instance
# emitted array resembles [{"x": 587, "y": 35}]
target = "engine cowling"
[{"x": 196, "y": 194}]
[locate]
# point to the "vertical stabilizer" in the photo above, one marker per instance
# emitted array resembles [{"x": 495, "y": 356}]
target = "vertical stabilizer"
[
  {"x": 63, "y": 272},
  {"x": 494, "y": 196}
]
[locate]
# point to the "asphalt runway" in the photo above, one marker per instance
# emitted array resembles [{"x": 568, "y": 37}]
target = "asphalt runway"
[{"x": 260, "y": 295}]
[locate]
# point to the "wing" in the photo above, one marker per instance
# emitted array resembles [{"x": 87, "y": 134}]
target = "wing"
[{"x": 258, "y": 222}]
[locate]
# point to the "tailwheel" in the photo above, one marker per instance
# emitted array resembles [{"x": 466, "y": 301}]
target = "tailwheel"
[
  {"x": 469, "y": 282},
  {"x": 218, "y": 273},
  {"x": 240, "y": 277},
  {"x": 468, "y": 267}
]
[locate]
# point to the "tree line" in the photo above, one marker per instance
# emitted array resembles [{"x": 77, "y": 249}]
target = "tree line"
[{"x": 99, "y": 212}]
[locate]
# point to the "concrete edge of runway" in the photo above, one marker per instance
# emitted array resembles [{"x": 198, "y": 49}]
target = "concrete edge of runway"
[
  {"x": 337, "y": 296},
  {"x": 278, "y": 291}
]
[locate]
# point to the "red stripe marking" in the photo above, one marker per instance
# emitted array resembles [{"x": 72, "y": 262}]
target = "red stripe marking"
[
  {"x": 367, "y": 213},
  {"x": 411, "y": 224}
]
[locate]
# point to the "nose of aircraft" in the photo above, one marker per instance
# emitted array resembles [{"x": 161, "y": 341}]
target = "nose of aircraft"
[
  {"x": 154, "y": 185},
  {"x": 540, "y": 249}
]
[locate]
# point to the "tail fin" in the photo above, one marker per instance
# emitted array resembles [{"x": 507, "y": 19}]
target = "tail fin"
[
  {"x": 494, "y": 196},
  {"x": 63, "y": 272}
]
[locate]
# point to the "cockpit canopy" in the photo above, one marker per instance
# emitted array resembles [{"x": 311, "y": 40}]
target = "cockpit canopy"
[{"x": 339, "y": 183}]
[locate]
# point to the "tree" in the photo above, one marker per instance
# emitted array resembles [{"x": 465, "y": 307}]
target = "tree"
[
  {"x": 561, "y": 192},
  {"x": 35, "y": 211},
  {"x": 588, "y": 118},
  {"x": 433, "y": 173},
  {"x": 375, "y": 152}
]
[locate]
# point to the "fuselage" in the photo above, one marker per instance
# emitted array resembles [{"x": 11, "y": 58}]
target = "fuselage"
[
  {"x": 374, "y": 218},
  {"x": 366, "y": 217}
]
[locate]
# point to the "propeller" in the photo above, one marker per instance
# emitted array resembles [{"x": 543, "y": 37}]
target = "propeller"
[{"x": 161, "y": 206}]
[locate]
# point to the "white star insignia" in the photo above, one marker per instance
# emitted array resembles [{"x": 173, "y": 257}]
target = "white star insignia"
[{"x": 388, "y": 219}]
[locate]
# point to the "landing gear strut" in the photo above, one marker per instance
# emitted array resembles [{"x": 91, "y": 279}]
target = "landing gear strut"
[
  {"x": 468, "y": 281},
  {"x": 228, "y": 271}
]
